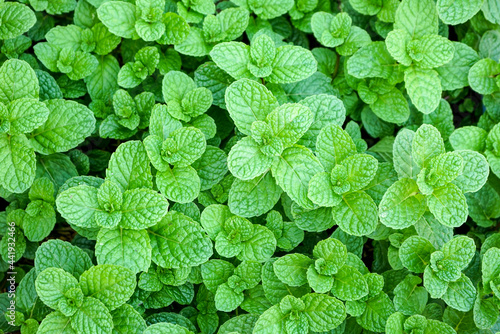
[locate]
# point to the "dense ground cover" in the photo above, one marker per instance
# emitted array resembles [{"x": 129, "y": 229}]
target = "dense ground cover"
[{"x": 250, "y": 166}]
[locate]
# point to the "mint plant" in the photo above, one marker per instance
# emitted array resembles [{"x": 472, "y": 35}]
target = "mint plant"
[{"x": 249, "y": 166}]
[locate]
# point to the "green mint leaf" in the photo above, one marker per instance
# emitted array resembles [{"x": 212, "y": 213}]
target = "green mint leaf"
[
  {"x": 52, "y": 284},
  {"x": 61, "y": 254},
  {"x": 119, "y": 17},
  {"x": 457, "y": 12},
  {"x": 129, "y": 166},
  {"x": 110, "y": 284},
  {"x": 402, "y": 205},
  {"x": 19, "y": 164},
  {"x": 92, "y": 316},
  {"x": 424, "y": 88},
  {"x": 67, "y": 125},
  {"x": 292, "y": 175},
  {"x": 291, "y": 269},
  {"x": 418, "y": 18},
  {"x": 16, "y": 19},
  {"x": 173, "y": 240},
  {"x": 248, "y": 101},
  {"x": 356, "y": 214},
  {"x": 415, "y": 253},
  {"x": 179, "y": 184},
  {"x": 127, "y": 248},
  {"x": 323, "y": 312},
  {"x": 253, "y": 197}
]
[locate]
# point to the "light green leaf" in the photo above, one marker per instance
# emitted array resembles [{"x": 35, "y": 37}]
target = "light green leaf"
[
  {"x": 424, "y": 88},
  {"x": 361, "y": 169},
  {"x": 92, "y": 317},
  {"x": 267, "y": 10},
  {"x": 211, "y": 167},
  {"x": 442, "y": 169},
  {"x": 194, "y": 44},
  {"x": 320, "y": 191},
  {"x": 402, "y": 205},
  {"x": 371, "y": 61},
  {"x": 491, "y": 11},
  {"x": 142, "y": 208},
  {"x": 39, "y": 220},
  {"x": 327, "y": 109},
  {"x": 417, "y": 17},
  {"x": 216, "y": 272},
  {"x": 448, "y": 205},
  {"x": 233, "y": 58},
  {"x": 119, "y": 17},
  {"x": 176, "y": 85},
  {"x": 436, "y": 51},
  {"x": 397, "y": 44},
  {"x": 456, "y": 12},
  {"x": 112, "y": 285},
  {"x": 460, "y": 250},
  {"x": 323, "y": 312},
  {"x": 482, "y": 76},
  {"x": 25, "y": 115},
  {"x": 469, "y": 138},
  {"x": 426, "y": 145},
  {"x": 409, "y": 298},
  {"x": 18, "y": 163},
  {"x": 433, "y": 284},
  {"x": 415, "y": 253},
  {"x": 176, "y": 29},
  {"x": 16, "y": 19},
  {"x": 378, "y": 309},
  {"x": 127, "y": 248},
  {"x": 17, "y": 79},
  {"x": 475, "y": 172},
  {"x": 78, "y": 205},
  {"x": 369, "y": 7},
  {"x": 56, "y": 323},
  {"x": 179, "y": 242},
  {"x": 233, "y": 22},
  {"x": 454, "y": 75},
  {"x": 61, "y": 254},
  {"x": 485, "y": 312},
  {"x": 166, "y": 328},
  {"x": 291, "y": 269},
  {"x": 289, "y": 122},
  {"x": 460, "y": 294},
  {"x": 260, "y": 246},
  {"x": 226, "y": 299},
  {"x": 431, "y": 229},
  {"x": 254, "y": 197},
  {"x": 68, "y": 124},
  {"x": 356, "y": 214},
  {"x": 103, "y": 83},
  {"x": 391, "y": 107},
  {"x": 246, "y": 161},
  {"x": 249, "y": 101},
  {"x": 51, "y": 285},
  {"x": 349, "y": 284},
  {"x": 271, "y": 322},
  {"x": 179, "y": 184},
  {"x": 126, "y": 320},
  {"x": 319, "y": 283},
  {"x": 293, "y": 171},
  {"x": 333, "y": 146},
  {"x": 490, "y": 268},
  {"x": 292, "y": 64},
  {"x": 129, "y": 166},
  {"x": 213, "y": 219},
  {"x": 405, "y": 163}
]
